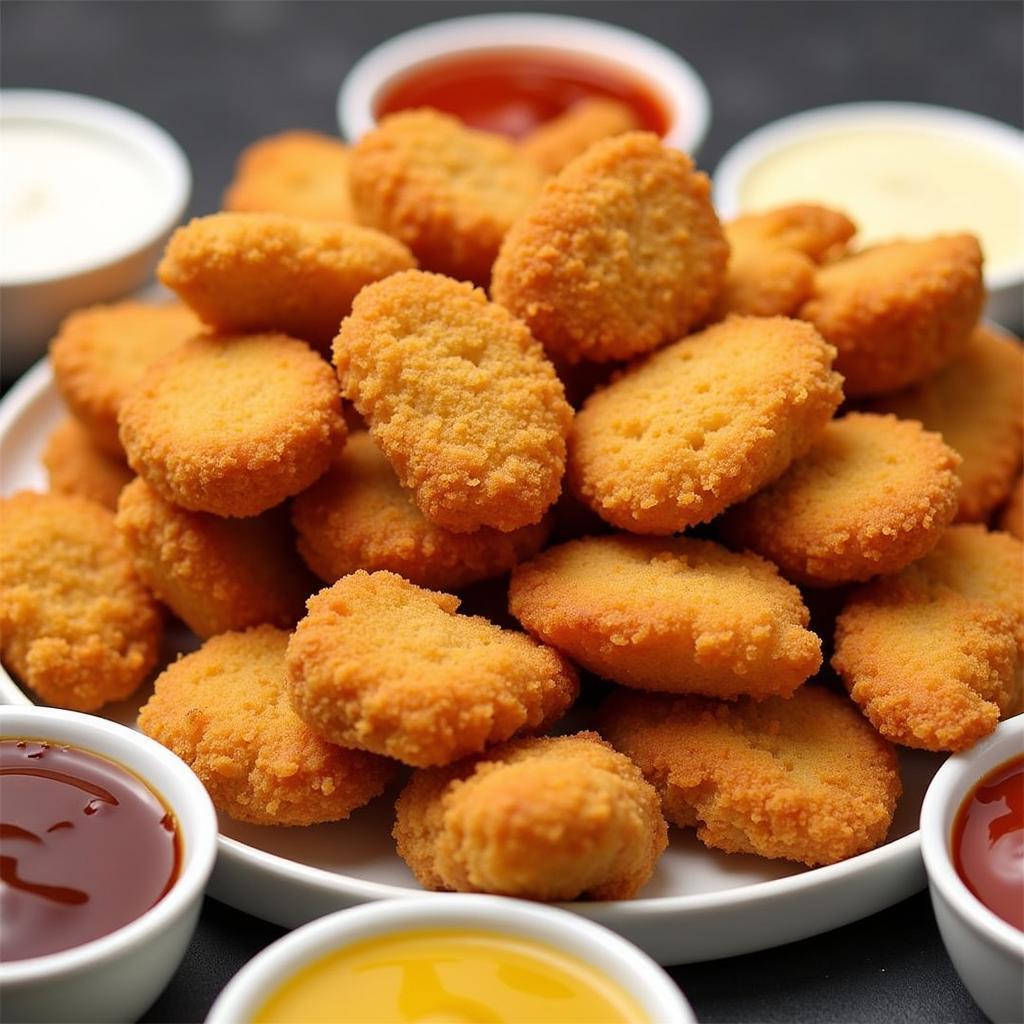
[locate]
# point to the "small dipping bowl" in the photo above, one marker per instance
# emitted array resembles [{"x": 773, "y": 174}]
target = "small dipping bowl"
[
  {"x": 609, "y": 954},
  {"x": 987, "y": 951},
  {"x": 675, "y": 85},
  {"x": 117, "y": 976},
  {"x": 124, "y": 164}
]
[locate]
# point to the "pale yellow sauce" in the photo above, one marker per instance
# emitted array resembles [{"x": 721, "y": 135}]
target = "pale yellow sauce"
[{"x": 897, "y": 183}]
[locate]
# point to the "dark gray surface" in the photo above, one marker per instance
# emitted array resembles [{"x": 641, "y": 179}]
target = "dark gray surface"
[{"x": 218, "y": 75}]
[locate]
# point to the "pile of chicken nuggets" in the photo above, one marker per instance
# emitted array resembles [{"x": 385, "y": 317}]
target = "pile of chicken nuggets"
[{"x": 358, "y": 407}]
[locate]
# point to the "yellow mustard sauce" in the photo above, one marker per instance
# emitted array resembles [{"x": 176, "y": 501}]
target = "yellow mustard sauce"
[{"x": 453, "y": 976}]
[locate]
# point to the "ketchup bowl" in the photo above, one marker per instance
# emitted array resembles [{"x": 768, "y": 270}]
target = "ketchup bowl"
[
  {"x": 987, "y": 951},
  {"x": 117, "y": 975}
]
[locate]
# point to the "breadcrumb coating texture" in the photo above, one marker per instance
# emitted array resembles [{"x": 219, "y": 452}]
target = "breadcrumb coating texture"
[
  {"x": 225, "y": 711},
  {"x": 621, "y": 252},
  {"x": 873, "y": 495},
  {"x": 563, "y": 138},
  {"x": 803, "y": 778},
  {"x": 76, "y": 625},
  {"x": 358, "y": 516},
  {"x": 233, "y": 425},
  {"x": 459, "y": 397},
  {"x": 677, "y": 615},
  {"x": 1011, "y": 519},
  {"x": 703, "y": 423},
  {"x": 819, "y": 233},
  {"x": 383, "y": 665},
  {"x": 76, "y": 465},
  {"x": 557, "y": 818}
]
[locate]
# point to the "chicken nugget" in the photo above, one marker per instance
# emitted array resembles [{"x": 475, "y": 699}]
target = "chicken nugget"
[
  {"x": 225, "y": 711},
  {"x": 703, "y": 423},
  {"x": 215, "y": 574},
  {"x": 383, "y": 665},
  {"x": 555, "y": 818},
  {"x": 76, "y": 465},
  {"x": 676, "y": 614},
  {"x": 448, "y": 192},
  {"x": 253, "y": 272},
  {"x": 233, "y": 425},
  {"x": 76, "y": 625},
  {"x": 621, "y": 253},
  {"x": 300, "y": 174},
  {"x": 933, "y": 655},
  {"x": 977, "y": 405},
  {"x": 563, "y": 138},
  {"x": 804, "y": 779},
  {"x": 819, "y": 233},
  {"x": 872, "y": 495},
  {"x": 358, "y": 516},
  {"x": 100, "y": 353},
  {"x": 1011, "y": 519},
  {"x": 460, "y": 399},
  {"x": 898, "y": 313}
]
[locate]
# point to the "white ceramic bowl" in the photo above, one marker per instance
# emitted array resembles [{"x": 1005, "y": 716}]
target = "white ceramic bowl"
[
  {"x": 117, "y": 976},
  {"x": 34, "y": 303},
  {"x": 987, "y": 951},
  {"x": 682, "y": 91},
  {"x": 613, "y": 956}
]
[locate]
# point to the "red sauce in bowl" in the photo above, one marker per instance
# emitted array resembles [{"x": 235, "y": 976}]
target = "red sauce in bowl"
[
  {"x": 988, "y": 841},
  {"x": 513, "y": 91}
]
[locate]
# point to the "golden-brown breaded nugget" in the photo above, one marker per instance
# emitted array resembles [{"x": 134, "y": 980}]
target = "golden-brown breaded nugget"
[
  {"x": 818, "y": 232},
  {"x": 564, "y": 138},
  {"x": 383, "y": 665},
  {"x": 872, "y": 495},
  {"x": 460, "y": 399},
  {"x": 76, "y": 625},
  {"x": 100, "y": 353},
  {"x": 253, "y": 272},
  {"x": 675, "y": 614},
  {"x": 215, "y": 574},
  {"x": 76, "y": 465},
  {"x": 977, "y": 405},
  {"x": 899, "y": 312},
  {"x": 448, "y": 192},
  {"x": 553, "y": 818},
  {"x": 225, "y": 711},
  {"x": 358, "y": 516},
  {"x": 805, "y": 779},
  {"x": 300, "y": 174},
  {"x": 933, "y": 655},
  {"x": 703, "y": 423},
  {"x": 1011, "y": 519},
  {"x": 621, "y": 252},
  {"x": 233, "y": 425}
]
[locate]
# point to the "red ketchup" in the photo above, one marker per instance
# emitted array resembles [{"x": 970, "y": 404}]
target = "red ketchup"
[
  {"x": 511, "y": 92},
  {"x": 988, "y": 841},
  {"x": 85, "y": 847}
]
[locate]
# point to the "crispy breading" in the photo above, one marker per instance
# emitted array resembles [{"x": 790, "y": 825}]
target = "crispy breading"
[
  {"x": 76, "y": 465},
  {"x": 873, "y": 494},
  {"x": 459, "y": 397},
  {"x": 76, "y": 625},
  {"x": 677, "y": 615},
  {"x": 977, "y": 405},
  {"x": 253, "y": 272},
  {"x": 448, "y": 192},
  {"x": 358, "y": 516},
  {"x": 703, "y": 423},
  {"x": 225, "y": 711},
  {"x": 818, "y": 232},
  {"x": 554, "y": 818},
  {"x": 298, "y": 173},
  {"x": 621, "y": 253},
  {"x": 215, "y": 574},
  {"x": 805, "y": 779},
  {"x": 900, "y": 312},
  {"x": 386, "y": 666},
  {"x": 233, "y": 425},
  {"x": 933, "y": 655},
  {"x": 553, "y": 144},
  {"x": 1011, "y": 519},
  {"x": 100, "y": 353}
]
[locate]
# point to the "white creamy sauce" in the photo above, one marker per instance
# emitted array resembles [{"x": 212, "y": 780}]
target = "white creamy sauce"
[
  {"x": 69, "y": 196},
  {"x": 899, "y": 183}
]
